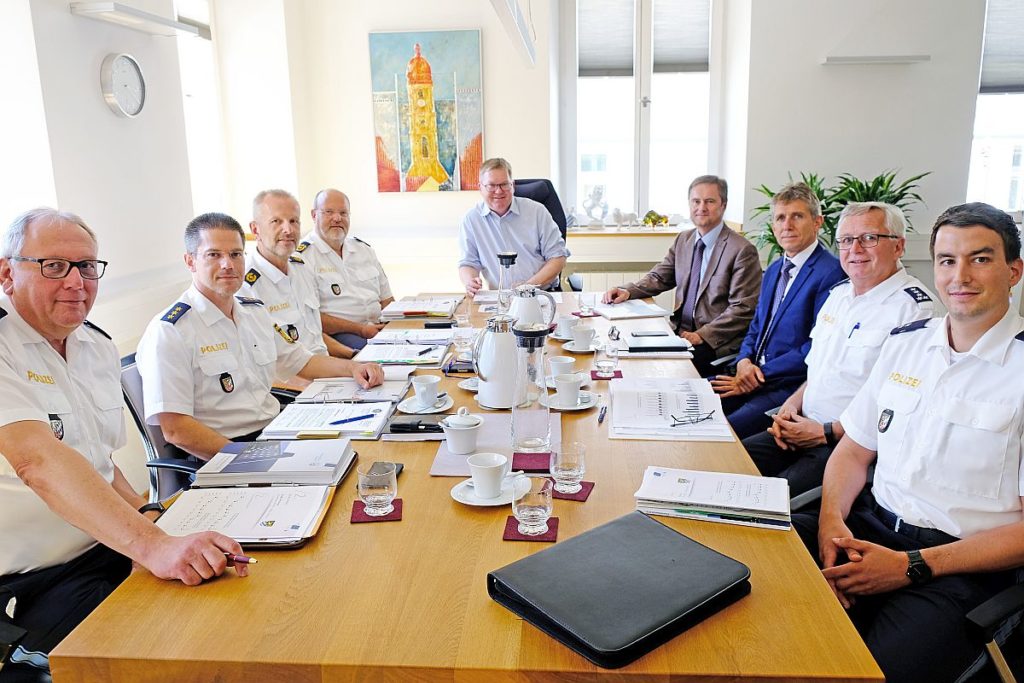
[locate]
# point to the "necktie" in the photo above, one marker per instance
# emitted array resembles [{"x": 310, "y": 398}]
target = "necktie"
[
  {"x": 686, "y": 318},
  {"x": 780, "y": 294}
]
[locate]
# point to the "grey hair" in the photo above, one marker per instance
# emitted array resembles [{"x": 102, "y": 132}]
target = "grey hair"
[
  {"x": 280, "y": 194},
  {"x": 14, "y": 237},
  {"x": 494, "y": 164},
  {"x": 797, "y": 192},
  {"x": 895, "y": 221}
]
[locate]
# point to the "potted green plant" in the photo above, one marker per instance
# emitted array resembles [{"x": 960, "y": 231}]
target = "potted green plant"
[{"x": 881, "y": 188}]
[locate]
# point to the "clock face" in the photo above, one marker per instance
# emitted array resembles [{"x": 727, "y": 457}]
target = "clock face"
[{"x": 124, "y": 87}]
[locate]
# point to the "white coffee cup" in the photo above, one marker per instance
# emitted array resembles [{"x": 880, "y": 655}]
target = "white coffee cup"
[
  {"x": 561, "y": 365},
  {"x": 565, "y": 325},
  {"x": 461, "y": 432},
  {"x": 581, "y": 337},
  {"x": 488, "y": 471},
  {"x": 426, "y": 389},
  {"x": 567, "y": 388}
]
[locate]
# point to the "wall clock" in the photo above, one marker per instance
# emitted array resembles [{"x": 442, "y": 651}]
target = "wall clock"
[{"x": 123, "y": 85}]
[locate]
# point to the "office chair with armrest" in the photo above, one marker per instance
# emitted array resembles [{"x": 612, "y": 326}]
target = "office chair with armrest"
[
  {"x": 542, "y": 190},
  {"x": 170, "y": 469}
]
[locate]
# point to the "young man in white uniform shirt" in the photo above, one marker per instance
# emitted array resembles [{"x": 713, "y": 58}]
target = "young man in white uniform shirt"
[
  {"x": 942, "y": 417},
  {"x": 845, "y": 342},
  {"x": 352, "y": 284},
  {"x": 209, "y": 362},
  {"x": 281, "y": 280},
  {"x": 69, "y": 525}
]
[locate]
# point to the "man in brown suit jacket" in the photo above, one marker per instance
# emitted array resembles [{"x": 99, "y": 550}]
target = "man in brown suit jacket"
[{"x": 714, "y": 314}]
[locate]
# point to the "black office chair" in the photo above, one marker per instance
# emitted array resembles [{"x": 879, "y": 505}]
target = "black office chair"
[
  {"x": 993, "y": 623},
  {"x": 542, "y": 190},
  {"x": 170, "y": 469}
]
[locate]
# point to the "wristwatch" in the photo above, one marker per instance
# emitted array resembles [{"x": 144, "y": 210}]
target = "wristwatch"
[
  {"x": 151, "y": 507},
  {"x": 918, "y": 570},
  {"x": 830, "y": 437}
]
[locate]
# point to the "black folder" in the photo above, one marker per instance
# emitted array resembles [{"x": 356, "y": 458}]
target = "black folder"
[{"x": 618, "y": 591}]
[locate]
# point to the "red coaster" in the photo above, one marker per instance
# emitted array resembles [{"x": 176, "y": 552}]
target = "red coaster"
[
  {"x": 580, "y": 495},
  {"x": 532, "y": 463},
  {"x": 512, "y": 531},
  {"x": 592, "y": 315},
  {"x": 358, "y": 515},
  {"x": 594, "y": 376}
]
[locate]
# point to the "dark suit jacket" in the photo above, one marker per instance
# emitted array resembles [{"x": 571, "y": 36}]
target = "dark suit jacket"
[
  {"x": 789, "y": 338},
  {"x": 728, "y": 291}
]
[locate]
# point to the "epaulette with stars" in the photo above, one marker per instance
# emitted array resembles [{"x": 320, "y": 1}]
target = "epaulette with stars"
[
  {"x": 295, "y": 259},
  {"x": 303, "y": 246},
  {"x": 176, "y": 311},
  {"x": 252, "y": 276},
  {"x": 249, "y": 301},
  {"x": 96, "y": 328},
  {"x": 910, "y": 327},
  {"x": 917, "y": 294}
]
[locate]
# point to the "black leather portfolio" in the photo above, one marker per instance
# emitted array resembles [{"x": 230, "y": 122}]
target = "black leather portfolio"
[
  {"x": 618, "y": 591},
  {"x": 668, "y": 343}
]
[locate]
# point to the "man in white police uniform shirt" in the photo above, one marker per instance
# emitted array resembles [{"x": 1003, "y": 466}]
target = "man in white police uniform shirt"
[
  {"x": 281, "y": 279},
  {"x": 208, "y": 363},
  {"x": 69, "y": 528},
  {"x": 353, "y": 286},
  {"x": 845, "y": 341},
  {"x": 942, "y": 411}
]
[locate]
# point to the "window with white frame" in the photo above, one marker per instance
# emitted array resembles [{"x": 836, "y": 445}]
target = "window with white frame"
[
  {"x": 996, "y": 173},
  {"x": 642, "y": 96}
]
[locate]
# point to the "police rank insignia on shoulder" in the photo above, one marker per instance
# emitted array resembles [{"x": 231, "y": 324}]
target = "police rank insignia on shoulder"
[
  {"x": 95, "y": 328},
  {"x": 174, "y": 315},
  {"x": 336, "y": 288},
  {"x": 57, "y": 425},
  {"x": 361, "y": 241},
  {"x": 252, "y": 276},
  {"x": 910, "y": 327},
  {"x": 884, "y": 420},
  {"x": 303, "y": 246},
  {"x": 295, "y": 259},
  {"x": 249, "y": 301},
  {"x": 917, "y": 294},
  {"x": 227, "y": 383},
  {"x": 839, "y": 284}
]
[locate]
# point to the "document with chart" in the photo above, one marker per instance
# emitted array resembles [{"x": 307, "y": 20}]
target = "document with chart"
[{"x": 666, "y": 409}]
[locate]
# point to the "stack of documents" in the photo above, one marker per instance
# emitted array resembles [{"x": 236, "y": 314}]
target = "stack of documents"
[
  {"x": 435, "y": 307},
  {"x": 628, "y": 310},
  {"x": 329, "y": 421},
  {"x": 666, "y": 409},
  {"x": 716, "y": 497},
  {"x": 402, "y": 354},
  {"x": 428, "y": 337},
  {"x": 347, "y": 390},
  {"x": 319, "y": 462},
  {"x": 274, "y": 516}
]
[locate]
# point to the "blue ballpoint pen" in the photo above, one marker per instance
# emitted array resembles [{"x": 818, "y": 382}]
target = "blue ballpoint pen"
[
  {"x": 352, "y": 419},
  {"x": 855, "y": 328}
]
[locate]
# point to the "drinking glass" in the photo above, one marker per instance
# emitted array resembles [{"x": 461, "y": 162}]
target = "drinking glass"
[
  {"x": 378, "y": 486},
  {"x": 607, "y": 360},
  {"x": 531, "y": 505},
  {"x": 568, "y": 465},
  {"x": 586, "y": 303},
  {"x": 463, "y": 336}
]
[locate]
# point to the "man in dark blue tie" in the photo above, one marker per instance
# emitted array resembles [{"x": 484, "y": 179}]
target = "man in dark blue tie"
[{"x": 771, "y": 359}]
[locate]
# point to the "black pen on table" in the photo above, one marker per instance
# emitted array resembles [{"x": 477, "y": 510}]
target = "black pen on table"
[
  {"x": 427, "y": 350},
  {"x": 352, "y": 419},
  {"x": 601, "y": 414},
  {"x": 240, "y": 559}
]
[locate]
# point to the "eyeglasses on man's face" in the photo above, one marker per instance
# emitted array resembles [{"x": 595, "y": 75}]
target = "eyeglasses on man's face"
[
  {"x": 868, "y": 240},
  {"x": 58, "y": 268},
  {"x": 503, "y": 187}
]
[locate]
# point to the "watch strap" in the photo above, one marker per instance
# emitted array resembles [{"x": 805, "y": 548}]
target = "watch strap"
[
  {"x": 830, "y": 436},
  {"x": 153, "y": 507},
  {"x": 918, "y": 570}
]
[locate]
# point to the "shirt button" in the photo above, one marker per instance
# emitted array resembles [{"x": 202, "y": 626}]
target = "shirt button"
[{"x": 974, "y": 422}]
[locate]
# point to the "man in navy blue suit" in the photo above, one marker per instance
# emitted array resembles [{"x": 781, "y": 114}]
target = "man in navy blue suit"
[{"x": 771, "y": 359}]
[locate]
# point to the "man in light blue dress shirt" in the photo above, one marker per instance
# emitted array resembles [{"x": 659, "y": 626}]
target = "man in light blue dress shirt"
[{"x": 504, "y": 222}]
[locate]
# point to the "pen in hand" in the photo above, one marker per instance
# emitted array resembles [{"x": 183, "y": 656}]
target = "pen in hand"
[{"x": 240, "y": 559}]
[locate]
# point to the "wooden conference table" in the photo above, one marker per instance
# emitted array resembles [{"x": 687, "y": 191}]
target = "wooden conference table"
[{"x": 408, "y": 600}]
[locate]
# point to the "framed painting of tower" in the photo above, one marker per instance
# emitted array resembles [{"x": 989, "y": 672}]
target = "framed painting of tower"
[{"x": 427, "y": 110}]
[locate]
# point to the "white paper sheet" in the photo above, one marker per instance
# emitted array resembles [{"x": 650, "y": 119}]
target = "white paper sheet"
[
  {"x": 495, "y": 437},
  {"x": 301, "y": 417},
  {"x": 427, "y": 337},
  {"x": 646, "y": 408},
  {"x": 634, "y": 308},
  {"x": 405, "y": 354}
]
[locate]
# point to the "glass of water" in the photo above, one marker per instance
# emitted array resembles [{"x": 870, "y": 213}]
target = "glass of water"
[
  {"x": 531, "y": 505},
  {"x": 607, "y": 359},
  {"x": 568, "y": 465},
  {"x": 377, "y": 487},
  {"x": 463, "y": 336},
  {"x": 586, "y": 303}
]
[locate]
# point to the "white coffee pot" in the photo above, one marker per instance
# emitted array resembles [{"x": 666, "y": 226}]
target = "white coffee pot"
[{"x": 527, "y": 307}]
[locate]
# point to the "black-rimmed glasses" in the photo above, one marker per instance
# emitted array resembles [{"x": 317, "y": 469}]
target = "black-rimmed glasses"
[
  {"x": 868, "y": 240},
  {"x": 58, "y": 268},
  {"x": 691, "y": 419}
]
